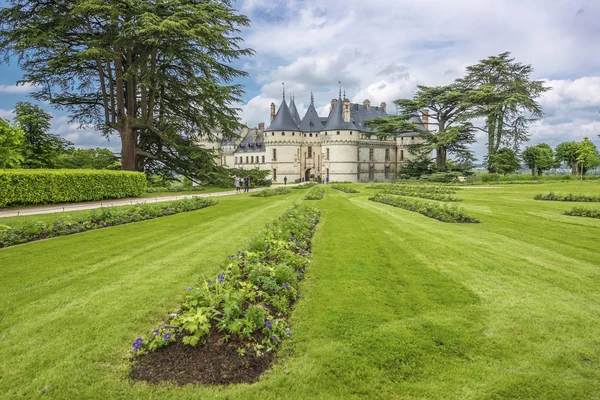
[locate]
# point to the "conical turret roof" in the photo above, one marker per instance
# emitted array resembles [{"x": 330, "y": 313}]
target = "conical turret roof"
[
  {"x": 311, "y": 121},
  {"x": 294, "y": 112},
  {"x": 283, "y": 120}
]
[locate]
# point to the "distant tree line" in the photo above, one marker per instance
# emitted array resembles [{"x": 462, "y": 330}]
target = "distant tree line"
[{"x": 28, "y": 143}]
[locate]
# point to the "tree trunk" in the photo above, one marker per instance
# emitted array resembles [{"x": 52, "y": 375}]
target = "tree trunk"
[
  {"x": 574, "y": 168},
  {"x": 440, "y": 159},
  {"x": 127, "y": 148}
]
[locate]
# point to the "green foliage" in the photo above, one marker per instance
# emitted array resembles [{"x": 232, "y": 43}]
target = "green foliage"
[
  {"x": 441, "y": 212},
  {"x": 271, "y": 192},
  {"x": 28, "y": 187},
  {"x": 225, "y": 177},
  {"x": 415, "y": 168},
  {"x": 252, "y": 297},
  {"x": 11, "y": 141},
  {"x": 584, "y": 212},
  {"x": 316, "y": 193},
  {"x": 567, "y": 197},
  {"x": 422, "y": 192},
  {"x": 107, "y": 216},
  {"x": 504, "y": 161},
  {"x": 97, "y": 158},
  {"x": 567, "y": 152},
  {"x": 442, "y": 177},
  {"x": 305, "y": 186},
  {"x": 345, "y": 189},
  {"x": 587, "y": 156},
  {"x": 539, "y": 158}
]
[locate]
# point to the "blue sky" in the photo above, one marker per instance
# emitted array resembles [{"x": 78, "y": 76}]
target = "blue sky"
[{"x": 382, "y": 49}]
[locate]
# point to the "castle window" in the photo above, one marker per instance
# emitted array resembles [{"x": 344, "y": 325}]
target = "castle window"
[
  {"x": 338, "y": 132},
  {"x": 309, "y": 152},
  {"x": 274, "y": 174},
  {"x": 272, "y": 133},
  {"x": 371, "y": 154},
  {"x": 350, "y": 132},
  {"x": 316, "y": 134},
  {"x": 387, "y": 171},
  {"x": 246, "y": 159},
  {"x": 412, "y": 138},
  {"x": 293, "y": 134},
  {"x": 387, "y": 155},
  {"x": 371, "y": 172},
  {"x": 282, "y": 133},
  {"x": 402, "y": 138},
  {"x": 310, "y": 135},
  {"x": 327, "y": 154},
  {"x": 402, "y": 154},
  {"x": 274, "y": 154},
  {"x": 325, "y": 133},
  {"x": 263, "y": 159},
  {"x": 252, "y": 159}
]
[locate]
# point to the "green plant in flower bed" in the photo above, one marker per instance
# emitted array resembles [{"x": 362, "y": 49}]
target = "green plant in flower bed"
[
  {"x": 423, "y": 194},
  {"x": 316, "y": 193},
  {"x": 568, "y": 197},
  {"x": 441, "y": 212},
  {"x": 439, "y": 189},
  {"x": 584, "y": 212},
  {"x": 179, "y": 188},
  {"x": 345, "y": 189},
  {"x": 271, "y": 192},
  {"x": 304, "y": 186},
  {"x": 107, "y": 216},
  {"x": 252, "y": 298}
]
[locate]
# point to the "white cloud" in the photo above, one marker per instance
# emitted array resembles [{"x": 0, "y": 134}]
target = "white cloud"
[
  {"x": 21, "y": 89},
  {"x": 6, "y": 114}
]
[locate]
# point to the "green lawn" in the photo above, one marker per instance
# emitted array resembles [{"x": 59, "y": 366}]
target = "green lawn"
[{"x": 393, "y": 305}]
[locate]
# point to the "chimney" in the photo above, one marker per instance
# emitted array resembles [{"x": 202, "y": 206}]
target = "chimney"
[
  {"x": 255, "y": 134},
  {"x": 425, "y": 119},
  {"x": 367, "y": 104},
  {"x": 333, "y": 103},
  {"x": 384, "y": 107},
  {"x": 346, "y": 110},
  {"x": 261, "y": 126},
  {"x": 272, "y": 111}
]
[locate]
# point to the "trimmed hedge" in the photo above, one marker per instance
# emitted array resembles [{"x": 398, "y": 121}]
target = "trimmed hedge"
[
  {"x": 443, "y": 213},
  {"x": 315, "y": 193},
  {"x": 584, "y": 212},
  {"x": 568, "y": 197},
  {"x": 41, "y": 186},
  {"x": 423, "y": 194},
  {"x": 345, "y": 189},
  {"x": 304, "y": 186},
  {"x": 107, "y": 216},
  {"x": 271, "y": 192}
]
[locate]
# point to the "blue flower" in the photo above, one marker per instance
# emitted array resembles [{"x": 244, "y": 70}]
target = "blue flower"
[
  {"x": 167, "y": 336},
  {"x": 137, "y": 344},
  {"x": 273, "y": 338},
  {"x": 189, "y": 289},
  {"x": 286, "y": 286},
  {"x": 268, "y": 324},
  {"x": 156, "y": 332},
  {"x": 221, "y": 278},
  {"x": 209, "y": 282}
]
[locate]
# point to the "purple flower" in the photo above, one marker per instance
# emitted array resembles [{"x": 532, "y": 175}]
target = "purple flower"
[
  {"x": 297, "y": 296},
  {"x": 167, "y": 336},
  {"x": 286, "y": 286},
  {"x": 268, "y": 324},
  {"x": 221, "y": 278},
  {"x": 209, "y": 282},
  {"x": 273, "y": 338},
  {"x": 137, "y": 344},
  {"x": 189, "y": 289},
  {"x": 287, "y": 332},
  {"x": 156, "y": 332}
]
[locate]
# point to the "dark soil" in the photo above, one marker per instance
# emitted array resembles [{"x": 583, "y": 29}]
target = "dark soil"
[{"x": 211, "y": 362}]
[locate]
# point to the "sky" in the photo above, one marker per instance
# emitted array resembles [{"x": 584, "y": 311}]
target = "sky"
[{"x": 382, "y": 49}]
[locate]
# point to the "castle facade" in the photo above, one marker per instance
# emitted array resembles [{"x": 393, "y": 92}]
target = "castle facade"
[{"x": 336, "y": 148}]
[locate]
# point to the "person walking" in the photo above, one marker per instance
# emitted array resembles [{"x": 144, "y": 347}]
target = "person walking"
[
  {"x": 246, "y": 183},
  {"x": 237, "y": 184},
  {"x": 285, "y": 181}
]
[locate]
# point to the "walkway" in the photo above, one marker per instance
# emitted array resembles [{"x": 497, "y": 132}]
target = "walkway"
[{"x": 56, "y": 208}]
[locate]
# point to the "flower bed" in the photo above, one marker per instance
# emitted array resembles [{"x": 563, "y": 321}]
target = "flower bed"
[
  {"x": 316, "y": 193},
  {"x": 437, "y": 189},
  {"x": 568, "y": 197},
  {"x": 231, "y": 324},
  {"x": 271, "y": 192},
  {"x": 345, "y": 189},
  {"x": 441, "y": 212},
  {"x": 304, "y": 186},
  {"x": 423, "y": 194},
  {"x": 584, "y": 212},
  {"x": 107, "y": 216}
]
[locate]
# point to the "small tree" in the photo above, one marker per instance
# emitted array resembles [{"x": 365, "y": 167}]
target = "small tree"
[
  {"x": 11, "y": 141},
  {"x": 539, "y": 158},
  {"x": 504, "y": 161},
  {"x": 587, "y": 156},
  {"x": 567, "y": 152}
]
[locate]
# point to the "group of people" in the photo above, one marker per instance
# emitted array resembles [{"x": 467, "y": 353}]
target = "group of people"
[{"x": 239, "y": 181}]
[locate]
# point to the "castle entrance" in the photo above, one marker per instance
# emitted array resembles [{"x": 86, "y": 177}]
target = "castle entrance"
[{"x": 307, "y": 174}]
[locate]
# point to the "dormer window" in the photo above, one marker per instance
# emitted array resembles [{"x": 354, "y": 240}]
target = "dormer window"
[
  {"x": 282, "y": 133},
  {"x": 272, "y": 133},
  {"x": 338, "y": 132},
  {"x": 310, "y": 135},
  {"x": 293, "y": 134}
]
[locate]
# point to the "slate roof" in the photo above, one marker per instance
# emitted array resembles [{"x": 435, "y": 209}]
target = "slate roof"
[
  {"x": 335, "y": 121},
  {"x": 283, "y": 120},
  {"x": 311, "y": 121},
  {"x": 415, "y": 118},
  {"x": 359, "y": 114},
  {"x": 294, "y": 112},
  {"x": 251, "y": 145}
]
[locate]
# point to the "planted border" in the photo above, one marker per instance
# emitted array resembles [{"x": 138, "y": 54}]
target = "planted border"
[
  {"x": 441, "y": 212},
  {"x": 584, "y": 212},
  {"x": 108, "y": 216},
  {"x": 568, "y": 197},
  {"x": 423, "y": 194},
  {"x": 304, "y": 186},
  {"x": 316, "y": 193},
  {"x": 271, "y": 192},
  {"x": 439, "y": 189},
  {"x": 229, "y": 326},
  {"x": 345, "y": 189}
]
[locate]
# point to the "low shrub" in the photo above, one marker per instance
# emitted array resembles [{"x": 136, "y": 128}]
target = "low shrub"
[
  {"x": 442, "y": 177},
  {"x": 422, "y": 193},
  {"x": 305, "y": 186},
  {"x": 250, "y": 301},
  {"x": 271, "y": 192},
  {"x": 315, "y": 193},
  {"x": 178, "y": 188},
  {"x": 441, "y": 212},
  {"x": 568, "y": 197},
  {"x": 430, "y": 188},
  {"x": 584, "y": 212},
  {"x": 107, "y": 216},
  {"x": 345, "y": 189},
  {"x": 39, "y": 186}
]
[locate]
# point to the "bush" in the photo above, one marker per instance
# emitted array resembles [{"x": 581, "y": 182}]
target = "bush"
[
  {"x": 252, "y": 298},
  {"x": 568, "y": 197},
  {"x": 443, "y": 213},
  {"x": 178, "y": 188},
  {"x": 304, "y": 186},
  {"x": 107, "y": 216},
  {"x": 316, "y": 193},
  {"x": 423, "y": 192},
  {"x": 442, "y": 177},
  {"x": 345, "y": 189},
  {"x": 584, "y": 212},
  {"x": 271, "y": 192},
  {"x": 35, "y": 187}
]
